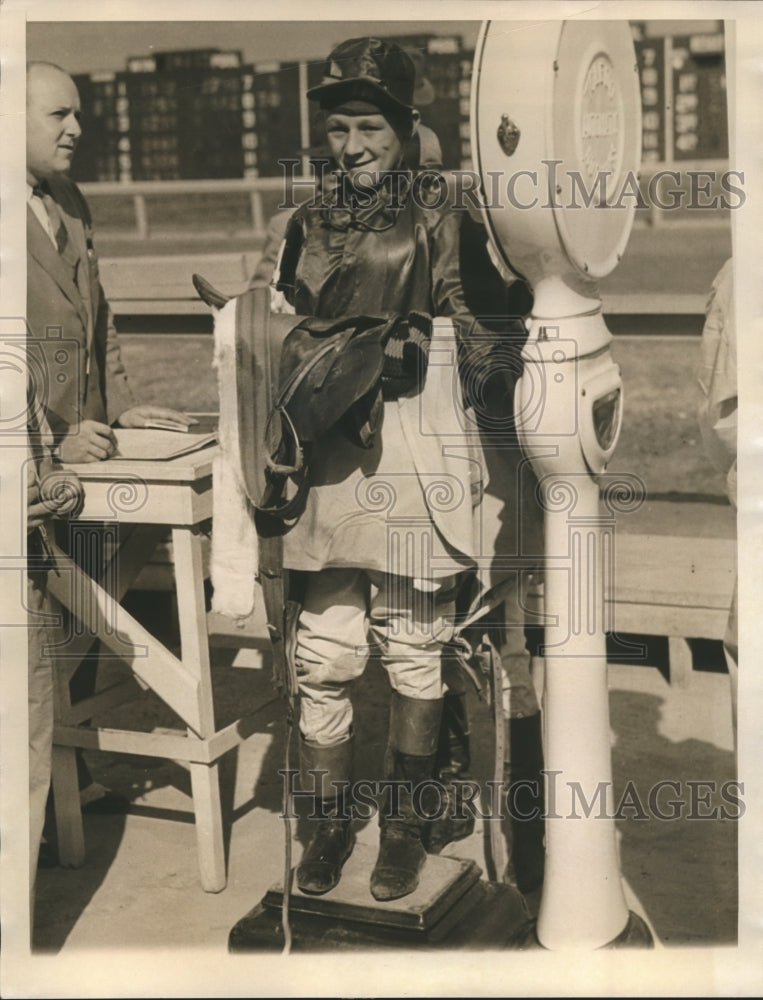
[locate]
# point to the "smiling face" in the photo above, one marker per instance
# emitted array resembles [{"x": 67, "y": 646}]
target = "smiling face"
[
  {"x": 53, "y": 129},
  {"x": 363, "y": 144}
]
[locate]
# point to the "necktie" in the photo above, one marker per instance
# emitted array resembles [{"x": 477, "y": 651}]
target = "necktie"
[
  {"x": 66, "y": 249},
  {"x": 54, "y": 214}
]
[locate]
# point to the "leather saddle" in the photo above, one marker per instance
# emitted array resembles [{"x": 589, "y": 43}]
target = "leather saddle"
[{"x": 296, "y": 377}]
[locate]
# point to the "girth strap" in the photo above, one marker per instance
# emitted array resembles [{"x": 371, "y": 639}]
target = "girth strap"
[
  {"x": 258, "y": 348},
  {"x": 280, "y": 612}
]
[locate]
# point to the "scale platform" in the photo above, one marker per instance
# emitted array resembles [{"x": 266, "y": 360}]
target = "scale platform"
[{"x": 452, "y": 907}]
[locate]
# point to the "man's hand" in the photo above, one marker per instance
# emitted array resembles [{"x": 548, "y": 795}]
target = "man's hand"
[
  {"x": 89, "y": 441},
  {"x": 61, "y": 492},
  {"x": 58, "y": 494},
  {"x": 37, "y": 512},
  {"x": 142, "y": 416}
]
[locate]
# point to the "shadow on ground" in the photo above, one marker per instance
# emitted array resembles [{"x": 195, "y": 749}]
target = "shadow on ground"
[{"x": 678, "y": 845}]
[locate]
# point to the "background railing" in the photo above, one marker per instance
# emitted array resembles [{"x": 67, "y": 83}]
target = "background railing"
[
  {"x": 140, "y": 191},
  {"x": 263, "y": 198}
]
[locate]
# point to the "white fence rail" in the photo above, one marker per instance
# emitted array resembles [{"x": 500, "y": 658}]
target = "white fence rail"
[{"x": 139, "y": 191}]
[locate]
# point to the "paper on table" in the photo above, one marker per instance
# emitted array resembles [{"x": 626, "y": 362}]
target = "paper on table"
[
  {"x": 143, "y": 443},
  {"x": 159, "y": 423}
]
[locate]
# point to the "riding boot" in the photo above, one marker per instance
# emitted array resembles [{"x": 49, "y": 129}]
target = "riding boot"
[
  {"x": 451, "y": 769},
  {"x": 332, "y": 838},
  {"x": 524, "y": 804},
  {"x": 409, "y": 798}
]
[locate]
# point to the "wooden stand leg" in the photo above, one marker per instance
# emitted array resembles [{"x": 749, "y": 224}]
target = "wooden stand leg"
[
  {"x": 205, "y": 778},
  {"x": 680, "y": 659},
  {"x": 71, "y": 836},
  {"x": 205, "y": 787}
]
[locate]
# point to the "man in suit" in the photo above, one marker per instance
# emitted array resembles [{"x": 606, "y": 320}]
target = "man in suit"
[
  {"x": 87, "y": 388},
  {"x": 73, "y": 344}
]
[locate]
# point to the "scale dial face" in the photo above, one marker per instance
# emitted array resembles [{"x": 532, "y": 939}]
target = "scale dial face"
[
  {"x": 597, "y": 134},
  {"x": 556, "y": 114}
]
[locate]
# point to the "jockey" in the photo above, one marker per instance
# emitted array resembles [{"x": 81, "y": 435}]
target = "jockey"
[{"x": 382, "y": 242}]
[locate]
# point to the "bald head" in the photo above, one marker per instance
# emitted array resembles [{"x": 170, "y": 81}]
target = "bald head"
[
  {"x": 41, "y": 65},
  {"x": 53, "y": 128}
]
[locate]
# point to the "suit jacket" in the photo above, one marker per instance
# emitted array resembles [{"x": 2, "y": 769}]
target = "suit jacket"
[{"x": 74, "y": 348}]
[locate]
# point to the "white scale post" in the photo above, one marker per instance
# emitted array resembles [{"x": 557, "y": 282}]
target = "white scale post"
[{"x": 555, "y": 111}]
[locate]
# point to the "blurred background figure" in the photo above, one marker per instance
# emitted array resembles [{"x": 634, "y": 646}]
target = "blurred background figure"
[
  {"x": 422, "y": 151},
  {"x": 717, "y": 415}
]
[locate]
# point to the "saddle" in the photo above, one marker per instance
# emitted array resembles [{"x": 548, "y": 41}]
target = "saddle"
[{"x": 296, "y": 377}]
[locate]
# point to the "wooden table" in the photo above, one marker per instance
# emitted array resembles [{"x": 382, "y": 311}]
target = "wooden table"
[{"x": 155, "y": 496}]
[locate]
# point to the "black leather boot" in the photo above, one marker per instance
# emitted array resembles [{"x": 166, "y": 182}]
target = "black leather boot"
[
  {"x": 451, "y": 768},
  {"x": 413, "y": 731},
  {"x": 332, "y": 839},
  {"x": 523, "y": 804}
]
